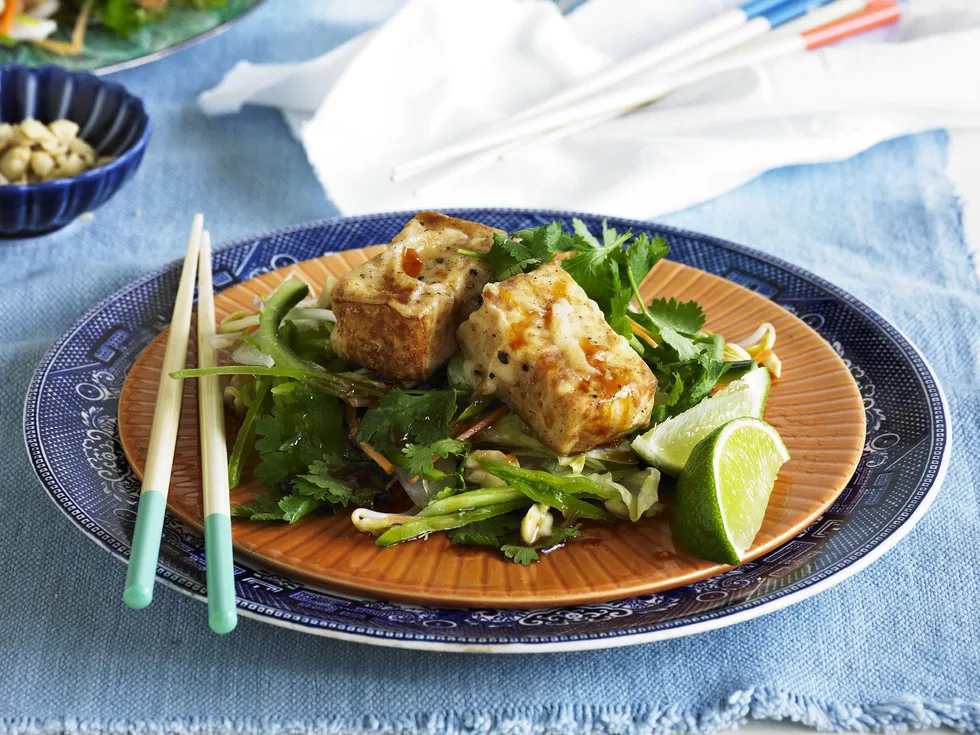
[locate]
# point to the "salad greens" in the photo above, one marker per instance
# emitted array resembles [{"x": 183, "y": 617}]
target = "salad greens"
[
  {"x": 686, "y": 362},
  {"x": 125, "y": 17},
  {"x": 527, "y": 554},
  {"x": 323, "y": 435}
]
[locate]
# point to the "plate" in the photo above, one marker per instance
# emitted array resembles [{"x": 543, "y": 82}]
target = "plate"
[
  {"x": 105, "y": 51},
  {"x": 816, "y": 406},
  {"x": 73, "y": 440}
]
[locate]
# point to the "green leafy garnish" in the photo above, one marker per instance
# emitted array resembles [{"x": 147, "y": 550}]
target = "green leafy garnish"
[
  {"x": 528, "y": 554},
  {"x": 296, "y": 506},
  {"x": 408, "y": 417},
  {"x": 254, "y": 394},
  {"x": 610, "y": 274},
  {"x": 343, "y": 385},
  {"x": 304, "y": 425},
  {"x": 264, "y": 507},
  {"x": 125, "y": 16},
  {"x": 419, "y": 457},
  {"x": 321, "y": 483},
  {"x": 685, "y": 317},
  {"x": 490, "y": 532},
  {"x": 527, "y": 249},
  {"x": 520, "y": 554}
]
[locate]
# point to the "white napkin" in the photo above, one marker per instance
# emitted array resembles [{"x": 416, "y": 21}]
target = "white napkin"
[{"x": 440, "y": 70}]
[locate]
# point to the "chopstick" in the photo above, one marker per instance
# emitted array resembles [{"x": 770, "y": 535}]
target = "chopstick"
[
  {"x": 549, "y": 114},
  {"x": 220, "y": 574},
  {"x": 817, "y": 28},
  {"x": 152, "y": 507}
]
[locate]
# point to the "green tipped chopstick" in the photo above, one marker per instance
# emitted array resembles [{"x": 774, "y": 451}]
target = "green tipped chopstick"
[
  {"x": 222, "y": 613},
  {"x": 141, "y": 573}
]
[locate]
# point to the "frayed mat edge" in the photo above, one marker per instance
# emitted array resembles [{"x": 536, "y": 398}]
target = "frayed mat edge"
[{"x": 755, "y": 704}]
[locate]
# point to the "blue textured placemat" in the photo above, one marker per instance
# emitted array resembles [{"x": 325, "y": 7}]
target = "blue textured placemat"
[{"x": 896, "y": 645}]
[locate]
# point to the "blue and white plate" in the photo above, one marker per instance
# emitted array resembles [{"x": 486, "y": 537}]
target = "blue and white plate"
[{"x": 72, "y": 438}]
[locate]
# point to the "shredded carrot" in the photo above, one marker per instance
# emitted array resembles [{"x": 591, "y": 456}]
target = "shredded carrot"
[
  {"x": 7, "y": 19},
  {"x": 350, "y": 413},
  {"x": 642, "y": 332},
  {"x": 478, "y": 425},
  {"x": 77, "y": 44},
  {"x": 481, "y": 423},
  {"x": 378, "y": 457}
]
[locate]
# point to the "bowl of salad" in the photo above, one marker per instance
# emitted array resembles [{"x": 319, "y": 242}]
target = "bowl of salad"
[{"x": 108, "y": 35}]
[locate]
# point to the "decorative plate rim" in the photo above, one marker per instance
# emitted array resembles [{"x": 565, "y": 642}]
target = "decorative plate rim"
[{"x": 804, "y": 588}]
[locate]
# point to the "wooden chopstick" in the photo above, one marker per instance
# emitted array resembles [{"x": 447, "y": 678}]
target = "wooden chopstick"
[
  {"x": 572, "y": 108},
  {"x": 838, "y": 20},
  {"x": 152, "y": 507},
  {"x": 220, "y": 570}
]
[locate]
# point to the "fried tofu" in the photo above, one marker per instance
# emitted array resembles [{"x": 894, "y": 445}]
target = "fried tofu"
[
  {"x": 398, "y": 312},
  {"x": 544, "y": 348}
]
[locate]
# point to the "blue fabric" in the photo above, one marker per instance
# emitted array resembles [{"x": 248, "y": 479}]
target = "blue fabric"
[{"x": 896, "y": 645}]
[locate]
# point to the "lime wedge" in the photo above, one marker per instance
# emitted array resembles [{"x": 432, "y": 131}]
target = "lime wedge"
[
  {"x": 758, "y": 381},
  {"x": 723, "y": 492},
  {"x": 668, "y": 445}
]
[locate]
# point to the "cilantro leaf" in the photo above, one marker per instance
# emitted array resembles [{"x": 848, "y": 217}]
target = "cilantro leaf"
[
  {"x": 684, "y": 384},
  {"x": 619, "y": 312},
  {"x": 401, "y": 417},
  {"x": 295, "y": 507},
  {"x": 526, "y": 249},
  {"x": 597, "y": 271},
  {"x": 509, "y": 257},
  {"x": 320, "y": 484},
  {"x": 485, "y": 533},
  {"x": 264, "y": 507},
  {"x": 582, "y": 230},
  {"x": 642, "y": 254},
  {"x": 682, "y": 316},
  {"x": 610, "y": 273},
  {"x": 611, "y": 237},
  {"x": 419, "y": 457},
  {"x": 684, "y": 346},
  {"x": 304, "y": 425},
  {"x": 520, "y": 554},
  {"x": 527, "y": 554}
]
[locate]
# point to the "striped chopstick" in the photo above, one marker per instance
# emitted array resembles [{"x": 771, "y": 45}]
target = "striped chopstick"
[
  {"x": 817, "y": 28},
  {"x": 152, "y": 507},
  {"x": 757, "y": 19},
  {"x": 220, "y": 570}
]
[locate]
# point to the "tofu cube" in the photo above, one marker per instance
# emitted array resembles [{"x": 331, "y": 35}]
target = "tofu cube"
[
  {"x": 398, "y": 312},
  {"x": 544, "y": 348}
]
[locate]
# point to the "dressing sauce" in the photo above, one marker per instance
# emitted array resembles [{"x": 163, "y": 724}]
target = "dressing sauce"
[{"x": 411, "y": 262}]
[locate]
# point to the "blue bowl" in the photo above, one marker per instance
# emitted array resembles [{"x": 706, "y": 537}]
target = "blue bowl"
[{"x": 110, "y": 119}]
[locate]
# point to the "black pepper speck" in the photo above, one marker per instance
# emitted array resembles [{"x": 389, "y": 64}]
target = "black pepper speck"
[{"x": 503, "y": 357}]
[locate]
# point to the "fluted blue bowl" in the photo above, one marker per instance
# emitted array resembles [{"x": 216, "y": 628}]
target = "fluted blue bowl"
[{"x": 109, "y": 118}]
